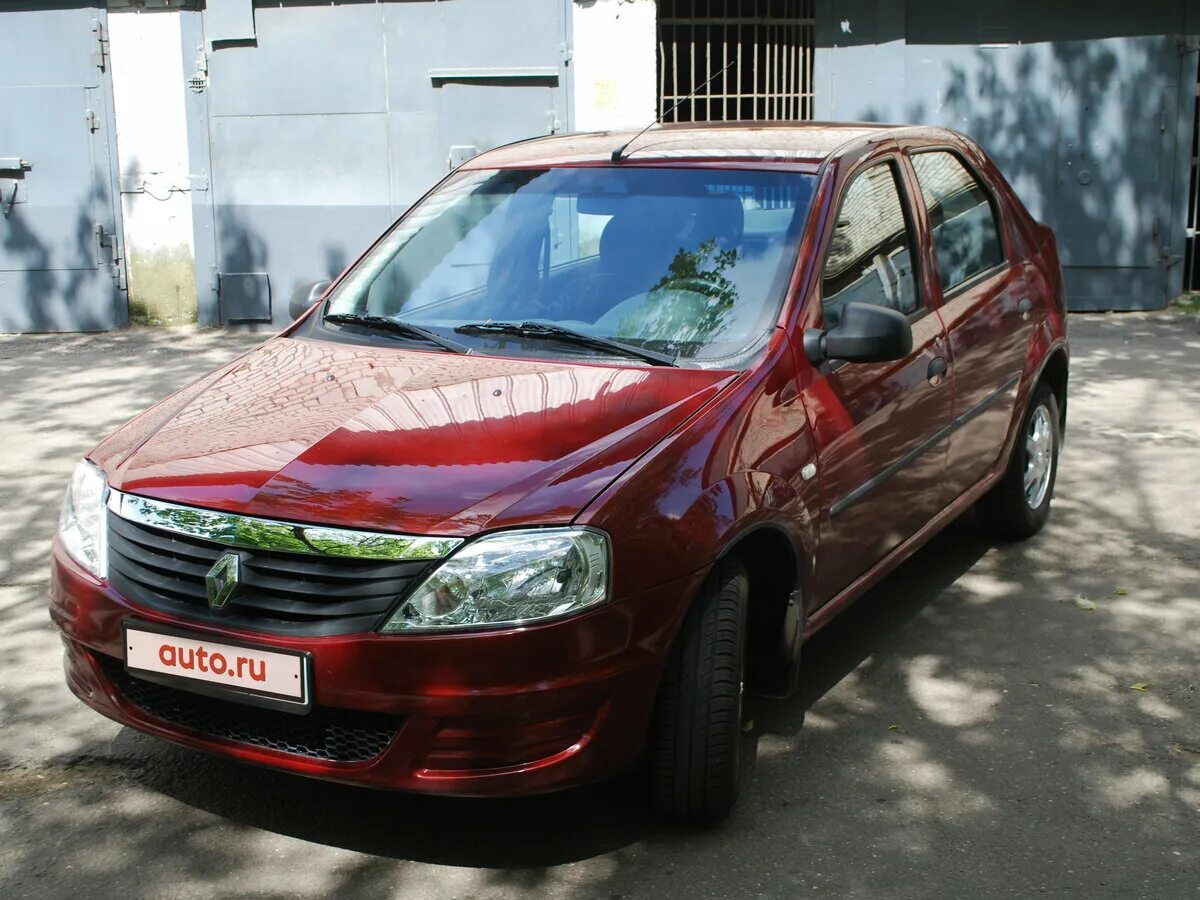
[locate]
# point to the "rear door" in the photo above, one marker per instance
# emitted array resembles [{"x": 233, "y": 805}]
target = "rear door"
[
  {"x": 985, "y": 307},
  {"x": 879, "y": 426},
  {"x": 59, "y": 253}
]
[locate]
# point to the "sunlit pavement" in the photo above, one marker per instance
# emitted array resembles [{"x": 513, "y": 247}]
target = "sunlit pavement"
[{"x": 970, "y": 728}]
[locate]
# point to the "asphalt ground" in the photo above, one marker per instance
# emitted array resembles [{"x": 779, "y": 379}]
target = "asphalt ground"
[{"x": 969, "y": 728}]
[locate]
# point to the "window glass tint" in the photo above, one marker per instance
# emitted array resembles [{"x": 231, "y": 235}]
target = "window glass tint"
[
  {"x": 691, "y": 262},
  {"x": 965, "y": 232},
  {"x": 870, "y": 255}
]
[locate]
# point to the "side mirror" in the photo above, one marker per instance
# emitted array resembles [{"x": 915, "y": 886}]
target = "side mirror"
[
  {"x": 305, "y": 296},
  {"x": 866, "y": 333}
]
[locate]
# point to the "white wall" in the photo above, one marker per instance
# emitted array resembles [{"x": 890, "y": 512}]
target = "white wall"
[
  {"x": 615, "y": 64},
  {"x": 148, "y": 88}
]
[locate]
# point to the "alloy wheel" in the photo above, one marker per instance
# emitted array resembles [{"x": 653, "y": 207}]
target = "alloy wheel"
[{"x": 1039, "y": 457}]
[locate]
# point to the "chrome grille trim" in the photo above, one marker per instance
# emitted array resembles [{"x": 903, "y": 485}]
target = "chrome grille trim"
[{"x": 252, "y": 533}]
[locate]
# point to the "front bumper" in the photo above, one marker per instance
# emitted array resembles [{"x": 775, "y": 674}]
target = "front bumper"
[{"x": 488, "y": 714}]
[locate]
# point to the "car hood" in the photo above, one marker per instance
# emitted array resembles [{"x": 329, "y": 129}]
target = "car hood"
[{"x": 401, "y": 440}]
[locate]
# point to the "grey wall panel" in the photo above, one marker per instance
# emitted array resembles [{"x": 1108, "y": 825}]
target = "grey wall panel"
[
  {"x": 49, "y": 46},
  {"x": 301, "y": 160},
  {"x": 860, "y": 83},
  {"x": 1036, "y": 21},
  {"x": 1083, "y": 105},
  {"x": 44, "y": 125},
  {"x": 417, "y": 162},
  {"x": 295, "y": 243},
  {"x": 1110, "y": 197},
  {"x": 1106, "y": 288},
  {"x": 502, "y": 32},
  {"x": 466, "y": 113},
  {"x": 230, "y": 20},
  {"x": 485, "y": 109},
  {"x": 298, "y": 198},
  {"x": 417, "y": 42},
  {"x": 305, "y": 59}
]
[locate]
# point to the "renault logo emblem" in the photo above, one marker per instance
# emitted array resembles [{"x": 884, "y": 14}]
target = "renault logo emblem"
[{"x": 222, "y": 580}]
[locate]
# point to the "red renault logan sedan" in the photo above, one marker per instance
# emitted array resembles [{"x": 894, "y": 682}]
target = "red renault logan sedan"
[{"x": 585, "y": 444}]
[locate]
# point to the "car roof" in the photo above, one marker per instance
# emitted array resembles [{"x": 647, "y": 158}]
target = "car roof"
[{"x": 758, "y": 141}]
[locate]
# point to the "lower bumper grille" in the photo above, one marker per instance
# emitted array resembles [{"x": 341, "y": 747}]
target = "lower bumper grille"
[{"x": 334, "y": 735}]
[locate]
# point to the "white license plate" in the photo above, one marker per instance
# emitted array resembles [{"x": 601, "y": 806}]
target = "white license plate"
[{"x": 204, "y": 664}]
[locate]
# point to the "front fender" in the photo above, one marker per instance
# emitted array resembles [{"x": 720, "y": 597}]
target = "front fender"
[{"x": 736, "y": 466}]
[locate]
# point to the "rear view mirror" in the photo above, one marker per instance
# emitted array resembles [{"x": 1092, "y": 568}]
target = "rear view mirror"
[
  {"x": 305, "y": 296},
  {"x": 866, "y": 333}
]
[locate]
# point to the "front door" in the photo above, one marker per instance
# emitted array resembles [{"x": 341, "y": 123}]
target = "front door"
[
  {"x": 879, "y": 426},
  {"x": 59, "y": 251},
  {"x": 986, "y": 310}
]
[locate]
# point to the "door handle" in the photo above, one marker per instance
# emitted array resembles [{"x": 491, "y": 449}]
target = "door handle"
[
  {"x": 1025, "y": 307},
  {"x": 937, "y": 368}
]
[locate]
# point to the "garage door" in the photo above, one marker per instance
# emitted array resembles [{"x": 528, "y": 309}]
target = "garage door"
[
  {"x": 327, "y": 120},
  {"x": 60, "y": 260}
]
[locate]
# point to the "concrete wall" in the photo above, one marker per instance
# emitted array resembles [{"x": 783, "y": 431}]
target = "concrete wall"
[
  {"x": 152, "y": 153},
  {"x": 1085, "y": 104},
  {"x": 615, "y": 63}
]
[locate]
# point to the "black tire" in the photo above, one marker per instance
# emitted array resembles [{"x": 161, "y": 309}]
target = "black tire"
[
  {"x": 693, "y": 748},
  {"x": 1007, "y": 510}
]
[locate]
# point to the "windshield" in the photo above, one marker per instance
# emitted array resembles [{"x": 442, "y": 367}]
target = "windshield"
[{"x": 687, "y": 262}]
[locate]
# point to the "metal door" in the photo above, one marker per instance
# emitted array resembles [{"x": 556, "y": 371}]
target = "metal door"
[
  {"x": 1115, "y": 190},
  {"x": 60, "y": 257},
  {"x": 334, "y": 118}
]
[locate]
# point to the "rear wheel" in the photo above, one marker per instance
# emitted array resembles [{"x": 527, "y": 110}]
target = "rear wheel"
[
  {"x": 697, "y": 727},
  {"x": 1018, "y": 506}
]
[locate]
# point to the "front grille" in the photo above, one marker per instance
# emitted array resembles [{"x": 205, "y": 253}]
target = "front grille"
[
  {"x": 336, "y": 735},
  {"x": 279, "y": 592}
]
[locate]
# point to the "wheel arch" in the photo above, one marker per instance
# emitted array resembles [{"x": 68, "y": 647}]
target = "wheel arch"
[
  {"x": 1055, "y": 371},
  {"x": 774, "y": 613}
]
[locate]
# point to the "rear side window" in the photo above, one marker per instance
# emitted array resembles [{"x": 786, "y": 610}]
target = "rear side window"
[
  {"x": 870, "y": 255},
  {"x": 966, "y": 234}
]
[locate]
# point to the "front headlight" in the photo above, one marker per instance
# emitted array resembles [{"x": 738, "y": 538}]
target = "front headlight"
[
  {"x": 82, "y": 524},
  {"x": 510, "y": 578}
]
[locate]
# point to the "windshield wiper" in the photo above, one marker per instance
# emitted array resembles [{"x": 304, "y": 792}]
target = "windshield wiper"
[
  {"x": 567, "y": 335},
  {"x": 397, "y": 326}
]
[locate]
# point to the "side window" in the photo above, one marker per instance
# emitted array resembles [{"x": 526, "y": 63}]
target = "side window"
[
  {"x": 966, "y": 235},
  {"x": 870, "y": 255}
]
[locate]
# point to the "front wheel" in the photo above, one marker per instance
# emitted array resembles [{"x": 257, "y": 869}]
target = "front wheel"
[
  {"x": 1019, "y": 504},
  {"x": 697, "y": 728}
]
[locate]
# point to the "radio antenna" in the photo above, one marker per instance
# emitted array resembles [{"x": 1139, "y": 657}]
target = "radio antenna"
[{"x": 620, "y": 151}]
